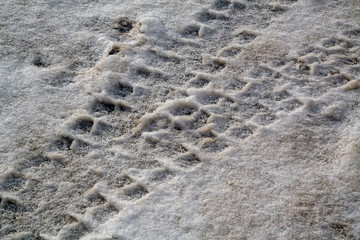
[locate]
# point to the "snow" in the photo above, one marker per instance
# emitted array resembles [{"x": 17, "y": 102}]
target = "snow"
[{"x": 197, "y": 119}]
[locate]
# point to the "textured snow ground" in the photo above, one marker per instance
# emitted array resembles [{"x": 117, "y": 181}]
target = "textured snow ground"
[{"x": 197, "y": 119}]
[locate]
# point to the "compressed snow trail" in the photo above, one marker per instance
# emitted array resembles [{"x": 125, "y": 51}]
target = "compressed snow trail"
[{"x": 202, "y": 120}]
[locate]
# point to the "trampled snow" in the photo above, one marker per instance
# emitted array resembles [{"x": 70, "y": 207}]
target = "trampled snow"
[{"x": 197, "y": 119}]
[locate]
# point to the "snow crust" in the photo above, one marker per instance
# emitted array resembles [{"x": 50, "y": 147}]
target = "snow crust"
[{"x": 197, "y": 119}]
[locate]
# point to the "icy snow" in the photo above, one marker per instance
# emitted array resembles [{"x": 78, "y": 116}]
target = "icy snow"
[{"x": 197, "y": 119}]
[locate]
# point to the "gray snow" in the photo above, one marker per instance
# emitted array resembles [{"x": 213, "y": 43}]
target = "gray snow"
[{"x": 197, "y": 119}]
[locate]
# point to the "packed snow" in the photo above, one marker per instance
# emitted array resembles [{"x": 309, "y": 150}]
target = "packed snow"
[{"x": 196, "y": 119}]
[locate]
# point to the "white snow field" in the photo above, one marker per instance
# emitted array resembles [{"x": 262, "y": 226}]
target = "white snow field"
[{"x": 180, "y": 119}]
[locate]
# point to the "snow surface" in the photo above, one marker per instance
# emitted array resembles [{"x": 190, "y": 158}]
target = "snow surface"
[{"x": 196, "y": 119}]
